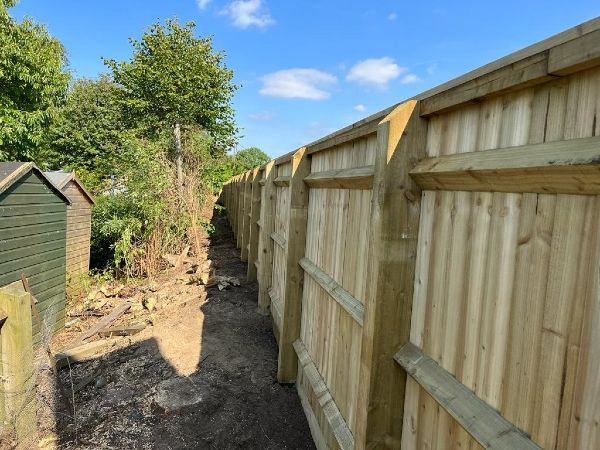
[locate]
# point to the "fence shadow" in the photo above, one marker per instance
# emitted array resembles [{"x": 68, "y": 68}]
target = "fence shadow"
[{"x": 140, "y": 399}]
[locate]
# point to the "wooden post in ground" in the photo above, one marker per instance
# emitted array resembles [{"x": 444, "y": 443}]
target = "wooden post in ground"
[
  {"x": 234, "y": 206},
  {"x": 232, "y": 210},
  {"x": 247, "y": 199},
  {"x": 254, "y": 229},
  {"x": 236, "y": 195},
  {"x": 240, "y": 210},
  {"x": 17, "y": 384},
  {"x": 287, "y": 368},
  {"x": 265, "y": 243},
  {"x": 395, "y": 214}
]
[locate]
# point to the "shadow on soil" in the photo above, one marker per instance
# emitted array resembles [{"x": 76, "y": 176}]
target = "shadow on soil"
[{"x": 232, "y": 400}]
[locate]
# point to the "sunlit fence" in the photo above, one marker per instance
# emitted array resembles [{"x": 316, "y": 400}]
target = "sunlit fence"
[{"x": 432, "y": 270}]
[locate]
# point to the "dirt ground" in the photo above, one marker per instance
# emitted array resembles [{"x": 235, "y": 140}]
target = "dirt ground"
[{"x": 202, "y": 374}]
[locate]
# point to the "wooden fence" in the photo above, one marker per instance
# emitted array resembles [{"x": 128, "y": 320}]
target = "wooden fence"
[{"x": 433, "y": 270}]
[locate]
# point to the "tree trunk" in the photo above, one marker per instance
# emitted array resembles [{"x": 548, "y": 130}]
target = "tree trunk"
[{"x": 178, "y": 156}]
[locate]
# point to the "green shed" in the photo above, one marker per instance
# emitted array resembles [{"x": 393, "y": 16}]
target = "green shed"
[{"x": 33, "y": 228}]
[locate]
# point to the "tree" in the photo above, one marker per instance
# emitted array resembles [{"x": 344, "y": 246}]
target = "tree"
[
  {"x": 175, "y": 79},
  {"x": 249, "y": 158},
  {"x": 88, "y": 133},
  {"x": 33, "y": 83}
]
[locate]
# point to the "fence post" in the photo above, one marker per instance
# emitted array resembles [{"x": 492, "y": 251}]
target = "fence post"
[
  {"x": 234, "y": 206},
  {"x": 17, "y": 384},
  {"x": 255, "y": 207},
  {"x": 247, "y": 199},
  {"x": 395, "y": 212},
  {"x": 265, "y": 243},
  {"x": 290, "y": 322},
  {"x": 240, "y": 210}
]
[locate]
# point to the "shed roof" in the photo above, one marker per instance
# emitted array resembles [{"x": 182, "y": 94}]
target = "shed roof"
[
  {"x": 60, "y": 178},
  {"x": 10, "y": 172}
]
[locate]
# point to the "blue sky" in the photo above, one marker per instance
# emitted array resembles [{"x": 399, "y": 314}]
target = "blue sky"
[{"x": 308, "y": 68}]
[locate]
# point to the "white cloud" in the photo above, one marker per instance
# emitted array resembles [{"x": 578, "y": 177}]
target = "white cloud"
[
  {"x": 262, "y": 115},
  {"x": 202, "y": 4},
  {"x": 409, "y": 79},
  {"x": 360, "y": 108},
  {"x": 432, "y": 69},
  {"x": 392, "y": 16},
  {"x": 248, "y": 13},
  {"x": 297, "y": 83},
  {"x": 375, "y": 71}
]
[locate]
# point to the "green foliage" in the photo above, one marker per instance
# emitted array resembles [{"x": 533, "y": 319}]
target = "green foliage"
[
  {"x": 249, "y": 158},
  {"x": 117, "y": 133},
  {"x": 174, "y": 77},
  {"x": 126, "y": 216},
  {"x": 88, "y": 133},
  {"x": 33, "y": 83}
]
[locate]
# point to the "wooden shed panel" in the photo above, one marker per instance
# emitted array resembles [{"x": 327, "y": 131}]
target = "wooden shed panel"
[
  {"x": 79, "y": 225},
  {"x": 24, "y": 210},
  {"x": 16, "y": 242},
  {"x": 33, "y": 243},
  {"x": 30, "y": 219}
]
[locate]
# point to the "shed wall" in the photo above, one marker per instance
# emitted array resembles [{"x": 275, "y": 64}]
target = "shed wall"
[
  {"x": 79, "y": 229},
  {"x": 33, "y": 221}
]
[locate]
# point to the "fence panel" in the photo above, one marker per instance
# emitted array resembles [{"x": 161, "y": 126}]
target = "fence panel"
[
  {"x": 450, "y": 295},
  {"x": 507, "y": 321}
]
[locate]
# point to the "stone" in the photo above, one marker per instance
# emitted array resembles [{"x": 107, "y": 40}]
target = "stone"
[
  {"x": 100, "y": 382},
  {"x": 175, "y": 394},
  {"x": 150, "y": 303}
]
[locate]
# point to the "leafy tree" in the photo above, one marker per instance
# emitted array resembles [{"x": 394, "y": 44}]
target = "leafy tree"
[
  {"x": 33, "y": 82},
  {"x": 175, "y": 79},
  {"x": 88, "y": 133},
  {"x": 249, "y": 158}
]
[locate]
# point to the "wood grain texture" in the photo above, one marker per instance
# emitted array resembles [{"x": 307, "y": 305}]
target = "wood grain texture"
[
  {"x": 482, "y": 421},
  {"x": 265, "y": 245},
  {"x": 287, "y": 367},
  {"x": 352, "y": 306},
  {"x": 279, "y": 240},
  {"x": 394, "y": 230},
  {"x": 282, "y": 181},
  {"x": 332, "y": 413},
  {"x": 353, "y": 178},
  {"x": 566, "y": 167},
  {"x": 575, "y": 55},
  {"x": 255, "y": 189}
]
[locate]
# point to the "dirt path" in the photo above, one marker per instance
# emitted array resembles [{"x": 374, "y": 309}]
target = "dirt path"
[{"x": 202, "y": 377}]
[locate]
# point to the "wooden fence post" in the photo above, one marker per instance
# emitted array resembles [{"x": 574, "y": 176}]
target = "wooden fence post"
[
  {"x": 265, "y": 243},
  {"x": 240, "y": 210},
  {"x": 234, "y": 206},
  {"x": 247, "y": 199},
  {"x": 17, "y": 384},
  {"x": 287, "y": 368},
  {"x": 395, "y": 211},
  {"x": 254, "y": 229}
]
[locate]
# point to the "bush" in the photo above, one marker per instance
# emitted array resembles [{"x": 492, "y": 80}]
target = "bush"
[{"x": 142, "y": 215}]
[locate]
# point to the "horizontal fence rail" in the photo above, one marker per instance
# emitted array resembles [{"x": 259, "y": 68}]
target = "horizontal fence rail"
[{"x": 431, "y": 270}]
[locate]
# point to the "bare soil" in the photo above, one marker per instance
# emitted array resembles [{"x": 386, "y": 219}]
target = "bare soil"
[{"x": 201, "y": 375}]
